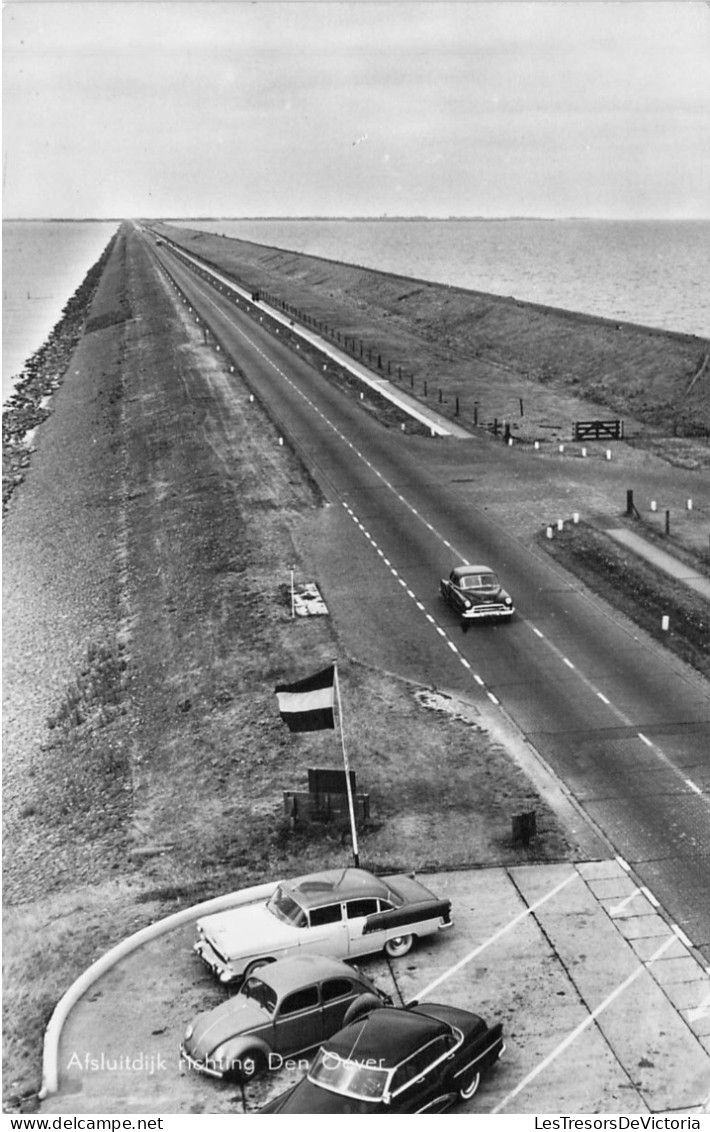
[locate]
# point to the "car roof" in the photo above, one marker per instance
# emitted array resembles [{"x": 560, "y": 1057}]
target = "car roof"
[
  {"x": 334, "y": 884},
  {"x": 462, "y": 571},
  {"x": 388, "y": 1036},
  {"x": 300, "y": 970}
]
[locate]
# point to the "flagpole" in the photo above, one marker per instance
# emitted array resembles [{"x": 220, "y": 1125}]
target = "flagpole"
[{"x": 348, "y": 785}]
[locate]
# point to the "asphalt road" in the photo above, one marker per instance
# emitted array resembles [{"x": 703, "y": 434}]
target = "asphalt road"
[{"x": 622, "y": 724}]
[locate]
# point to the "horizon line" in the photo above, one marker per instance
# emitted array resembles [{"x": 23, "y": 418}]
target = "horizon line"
[{"x": 382, "y": 218}]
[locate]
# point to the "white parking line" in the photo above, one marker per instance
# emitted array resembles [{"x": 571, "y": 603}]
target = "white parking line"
[
  {"x": 496, "y": 936},
  {"x": 582, "y": 1026}
]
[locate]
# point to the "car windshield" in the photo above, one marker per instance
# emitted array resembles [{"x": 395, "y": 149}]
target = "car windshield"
[
  {"x": 263, "y": 995},
  {"x": 363, "y": 1079},
  {"x": 285, "y": 908},
  {"x": 478, "y": 582}
]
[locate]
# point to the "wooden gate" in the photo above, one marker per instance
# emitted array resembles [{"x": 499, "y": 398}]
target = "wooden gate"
[{"x": 598, "y": 430}]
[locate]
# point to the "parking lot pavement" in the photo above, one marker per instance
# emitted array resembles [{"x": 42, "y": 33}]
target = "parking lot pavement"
[{"x": 605, "y": 1008}]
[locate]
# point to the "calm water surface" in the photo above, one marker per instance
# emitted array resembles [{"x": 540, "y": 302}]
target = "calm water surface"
[
  {"x": 650, "y": 272},
  {"x": 43, "y": 264}
]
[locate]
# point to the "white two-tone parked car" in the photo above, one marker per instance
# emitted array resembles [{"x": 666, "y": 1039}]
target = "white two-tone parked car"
[{"x": 341, "y": 912}]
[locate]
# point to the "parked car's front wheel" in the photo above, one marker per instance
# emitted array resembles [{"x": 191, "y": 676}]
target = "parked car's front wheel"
[
  {"x": 399, "y": 946},
  {"x": 249, "y": 1065},
  {"x": 470, "y": 1086}
]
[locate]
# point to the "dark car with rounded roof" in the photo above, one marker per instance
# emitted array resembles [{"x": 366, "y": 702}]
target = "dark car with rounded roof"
[
  {"x": 422, "y": 1058},
  {"x": 476, "y": 594},
  {"x": 342, "y": 912}
]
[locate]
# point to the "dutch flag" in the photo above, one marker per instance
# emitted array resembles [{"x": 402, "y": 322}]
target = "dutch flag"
[{"x": 307, "y": 705}]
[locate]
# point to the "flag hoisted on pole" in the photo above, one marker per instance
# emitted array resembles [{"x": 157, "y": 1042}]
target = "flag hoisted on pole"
[{"x": 308, "y": 705}]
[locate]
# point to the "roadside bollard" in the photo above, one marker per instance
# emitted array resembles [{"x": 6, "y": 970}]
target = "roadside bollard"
[
  {"x": 560, "y": 524},
  {"x": 549, "y": 532},
  {"x": 654, "y": 505},
  {"x": 575, "y": 517},
  {"x": 665, "y": 622}
]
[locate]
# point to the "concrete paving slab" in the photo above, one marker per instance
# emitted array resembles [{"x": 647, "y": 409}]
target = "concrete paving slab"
[
  {"x": 602, "y": 870},
  {"x": 689, "y": 996},
  {"x": 670, "y": 972},
  {"x": 644, "y": 946},
  {"x": 641, "y": 927},
  {"x": 613, "y": 888}
]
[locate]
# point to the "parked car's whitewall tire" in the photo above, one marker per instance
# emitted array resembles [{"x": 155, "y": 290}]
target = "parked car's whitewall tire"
[
  {"x": 399, "y": 946},
  {"x": 470, "y": 1086}
]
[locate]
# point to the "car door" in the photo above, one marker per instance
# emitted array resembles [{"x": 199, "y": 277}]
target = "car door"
[
  {"x": 328, "y": 931},
  {"x": 360, "y": 941},
  {"x": 298, "y": 1023},
  {"x": 336, "y": 995},
  {"x": 426, "y": 1077}
]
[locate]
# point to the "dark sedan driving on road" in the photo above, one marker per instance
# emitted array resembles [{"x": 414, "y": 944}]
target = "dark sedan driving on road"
[{"x": 475, "y": 593}]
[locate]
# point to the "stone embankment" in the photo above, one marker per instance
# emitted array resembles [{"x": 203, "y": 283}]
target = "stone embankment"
[{"x": 27, "y": 406}]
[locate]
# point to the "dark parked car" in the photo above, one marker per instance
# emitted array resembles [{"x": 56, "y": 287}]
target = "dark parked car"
[
  {"x": 475, "y": 593},
  {"x": 419, "y": 1059},
  {"x": 287, "y": 1008}
]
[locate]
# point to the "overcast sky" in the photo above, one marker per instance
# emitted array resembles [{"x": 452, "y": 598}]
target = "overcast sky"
[{"x": 364, "y": 108}]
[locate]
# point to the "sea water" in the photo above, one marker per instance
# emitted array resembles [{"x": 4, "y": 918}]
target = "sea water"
[
  {"x": 44, "y": 261},
  {"x": 649, "y": 272}
]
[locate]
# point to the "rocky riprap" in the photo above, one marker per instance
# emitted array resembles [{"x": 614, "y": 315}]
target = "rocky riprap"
[{"x": 28, "y": 405}]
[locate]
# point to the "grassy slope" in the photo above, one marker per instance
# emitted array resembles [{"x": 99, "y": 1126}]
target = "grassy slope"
[{"x": 482, "y": 347}]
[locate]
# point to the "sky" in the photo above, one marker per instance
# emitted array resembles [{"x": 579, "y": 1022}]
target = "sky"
[{"x": 366, "y": 108}]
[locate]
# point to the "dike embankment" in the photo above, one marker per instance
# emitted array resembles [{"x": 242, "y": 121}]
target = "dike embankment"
[{"x": 498, "y": 356}]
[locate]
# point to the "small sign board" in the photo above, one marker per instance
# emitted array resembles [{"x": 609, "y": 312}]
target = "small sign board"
[{"x": 329, "y": 781}]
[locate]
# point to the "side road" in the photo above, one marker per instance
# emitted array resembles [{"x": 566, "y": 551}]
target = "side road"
[{"x": 598, "y": 955}]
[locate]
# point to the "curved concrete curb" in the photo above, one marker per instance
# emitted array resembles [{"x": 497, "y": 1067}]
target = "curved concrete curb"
[{"x": 50, "y": 1056}]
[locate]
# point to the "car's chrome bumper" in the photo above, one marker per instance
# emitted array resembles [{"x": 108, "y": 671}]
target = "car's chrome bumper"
[
  {"x": 198, "y": 1065},
  {"x": 480, "y": 612},
  {"x": 216, "y": 965}
]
